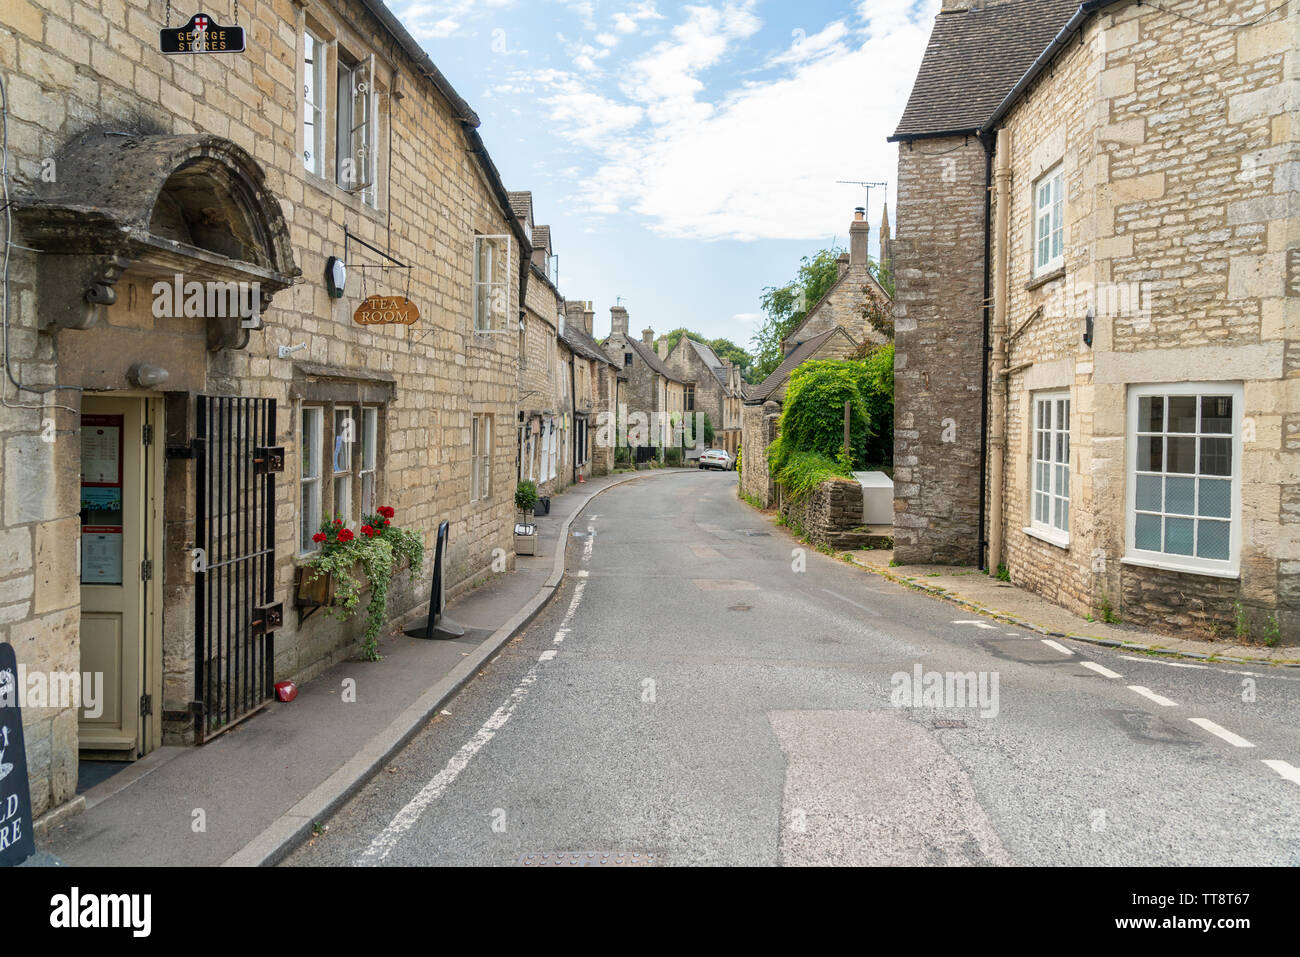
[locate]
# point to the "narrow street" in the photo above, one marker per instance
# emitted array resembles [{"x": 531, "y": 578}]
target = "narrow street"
[{"x": 692, "y": 695}]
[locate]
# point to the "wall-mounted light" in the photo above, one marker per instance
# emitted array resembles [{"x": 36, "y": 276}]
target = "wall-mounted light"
[
  {"x": 1088, "y": 323},
  {"x": 336, "y": 277},
  {"x": 146, "y": 376},
  {"x": 287, "y": 351}
]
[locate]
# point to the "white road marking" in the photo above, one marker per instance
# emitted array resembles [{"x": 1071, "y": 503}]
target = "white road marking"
[
  {"x": 977, "y": 624},
  {"x": 1236, "y": 740},
  {"x": 589, "y": 544},
  {"x": 869, "y": 611},
  {"x": 1057, "y": 646},
  {"x": 1158, "y": 699},
  {"x": 405, "y": 819},
  {"x": 1292, "y": 774},
  {"x": 1104, "y": 672},
  {"x": 583, "y": 573},
  {"x": 1171, "y": 664}
]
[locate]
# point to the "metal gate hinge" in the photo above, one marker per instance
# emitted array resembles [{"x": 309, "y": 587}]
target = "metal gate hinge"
[
  {"x": 146, "y": 705},
  {"x": 146, "y": 570},
  {"x": 146, "y": 434}
]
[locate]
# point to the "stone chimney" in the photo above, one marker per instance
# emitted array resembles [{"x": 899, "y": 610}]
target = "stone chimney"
[
  {"x": 588, "y": 317},
  {"x": 618, "y": 320},
  {"x": 573, "y": 313},
  {"x": 858, "y": 233},
  {"x": 841, "y": 265},
  {"x": 663, "y": 348},
  {"x": 648, "y": 337}
]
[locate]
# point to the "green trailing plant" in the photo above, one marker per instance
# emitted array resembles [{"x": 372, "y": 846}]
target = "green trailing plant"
[
  {"x": 800, "y": 473},
  {"x": 526, "y": 495},
  {"x": 377, "y": 547}
]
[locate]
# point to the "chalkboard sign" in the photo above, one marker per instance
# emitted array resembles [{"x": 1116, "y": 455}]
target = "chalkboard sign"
[
  {"x": 16, "y": 842},
  {"x": 436, "y": 624},
  {"x": 201, "y": 35}
]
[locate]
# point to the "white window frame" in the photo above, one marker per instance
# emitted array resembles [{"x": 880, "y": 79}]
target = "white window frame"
[
  {"x": 315, "y": 58},
  {"x": 368, "y": 433},
  {"x": 1229, "y": 568},
  {"x": 310, "y": 437},
  {"x": 492, "y": 296},
  {"x": 347, "y": 125},
  {"x": 480, "y": 458},
  {"x": 1054, "y": 495},
  {"x": 343, "y": 441},
  {"x": 1049, "y": 220}
]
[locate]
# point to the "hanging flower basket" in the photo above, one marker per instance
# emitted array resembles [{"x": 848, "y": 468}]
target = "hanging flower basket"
[{"x": 350, "y": 562}]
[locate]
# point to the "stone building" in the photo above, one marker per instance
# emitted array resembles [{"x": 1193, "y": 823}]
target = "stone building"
[
  {"x": 710, "y": 387},
  {"x": 652, "y": 391},
  {"x": 592, "y": 388},
  {"x": 838, "y": 326},
  {"x": 543, "y": 432},
  {"x": 1122, "y": 233},
  {"x": 195, "y": 394}
]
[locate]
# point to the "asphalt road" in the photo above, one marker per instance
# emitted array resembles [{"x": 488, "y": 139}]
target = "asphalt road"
[{"x": 702, "y": 691}]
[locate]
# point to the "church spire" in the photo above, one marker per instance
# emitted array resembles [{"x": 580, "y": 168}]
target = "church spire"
[{"x": 886, "y": 244}]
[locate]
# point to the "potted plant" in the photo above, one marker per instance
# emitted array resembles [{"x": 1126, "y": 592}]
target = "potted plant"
[
  {"x": 371, "y": 553},
  {"x": 525, "y": 531}
]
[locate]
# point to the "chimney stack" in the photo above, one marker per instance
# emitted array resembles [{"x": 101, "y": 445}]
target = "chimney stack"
[
  {"x": 588, "y": 317},
  {"x": 841, "y": 265},
  {"x": 573, "y": 314},
  {"x": 663, "y": 348},
  {"x": 618, "y": 320},
  {"x": 648, "y": 337},
  {"x": 858, "y": 232}
]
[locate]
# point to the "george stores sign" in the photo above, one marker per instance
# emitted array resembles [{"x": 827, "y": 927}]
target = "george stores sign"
[{"x": 201, "y": 35}]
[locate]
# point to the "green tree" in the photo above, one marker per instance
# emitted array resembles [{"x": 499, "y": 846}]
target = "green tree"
[{"x": 785, "y": 307}]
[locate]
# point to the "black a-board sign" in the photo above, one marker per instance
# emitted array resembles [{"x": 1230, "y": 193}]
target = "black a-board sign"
[
  {"x": 16, "y": 841},
  {"x": 201, "y": 35}
]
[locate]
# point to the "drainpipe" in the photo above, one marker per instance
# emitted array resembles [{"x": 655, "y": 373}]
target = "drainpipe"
[
  {"x": 997, "y": 381},
  {"x": 573, "y": 414},
  {"x": 982, "y": 546}
]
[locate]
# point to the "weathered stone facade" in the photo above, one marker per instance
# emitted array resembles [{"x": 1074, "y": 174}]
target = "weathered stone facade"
[
  {"x": 76, "y": 79},
  {"x": 1179, "y": 218},
  {"x": 651, "y": 390}
]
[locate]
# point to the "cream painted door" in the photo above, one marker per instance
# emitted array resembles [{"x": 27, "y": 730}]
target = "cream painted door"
[{"x": 115, "y": 530}]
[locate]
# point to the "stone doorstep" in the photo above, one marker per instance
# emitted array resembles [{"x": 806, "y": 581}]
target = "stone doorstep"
[{"x": 1156, "y": 644}]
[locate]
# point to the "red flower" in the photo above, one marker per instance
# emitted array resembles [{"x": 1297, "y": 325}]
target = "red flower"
[
  {"x": 319, "y": 537},
  {"x": 386, "y": 511},
  {"x": 338, "y": 521},
  {"x": 368, "y": 531},
  {"x": 387, "y": 522},
  {"x": 345, "y": 535}
]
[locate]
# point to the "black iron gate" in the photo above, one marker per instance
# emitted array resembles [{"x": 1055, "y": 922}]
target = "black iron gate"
[{"x": 235, "y": 612}]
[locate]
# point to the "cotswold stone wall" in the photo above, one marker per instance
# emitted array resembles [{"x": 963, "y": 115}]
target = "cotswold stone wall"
[
  {"x": 1181, "y": 212},
  {"x": 757, "y": 433},
  {"x": 831, "y": 515},
  {"x": 938, "y": 362},
  {"x": 70, "y": 69}
]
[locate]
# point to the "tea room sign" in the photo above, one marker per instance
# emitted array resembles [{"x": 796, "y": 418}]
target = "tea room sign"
[{"x": 386, "y": 310}]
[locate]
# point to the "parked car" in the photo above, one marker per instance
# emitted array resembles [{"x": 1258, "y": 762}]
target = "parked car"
[{"x": 717, "y": 459}]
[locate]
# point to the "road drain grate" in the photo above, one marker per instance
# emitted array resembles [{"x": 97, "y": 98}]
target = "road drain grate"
[
  {"x": 588, "y": 859},
  {"x": 949, "y": 723},
  {"x": 753, "y": 534},
  {"x": 740, "y": 608}
]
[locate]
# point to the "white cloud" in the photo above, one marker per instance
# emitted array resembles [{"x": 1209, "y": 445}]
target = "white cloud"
[
  {"x": 747, "y": 317},
  {"x": 625, "y": 21},
  {"x": 762, "y": 161}
]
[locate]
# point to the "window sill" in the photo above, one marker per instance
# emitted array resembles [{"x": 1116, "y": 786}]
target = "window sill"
[
  {"x": 336, "y": 192},
  {"x": 1045, "y": 278},
  {"x": 1060, "y": 541},
  {"x": 1180, "y": 569}
]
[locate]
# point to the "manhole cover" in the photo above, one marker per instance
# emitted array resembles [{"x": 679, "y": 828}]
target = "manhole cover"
[
  {"x": 588, "y": 859},
  {"x": 949, "y": 723},
  {"x": 740, "y": 608},
  {"x": 753, "y": 534}
]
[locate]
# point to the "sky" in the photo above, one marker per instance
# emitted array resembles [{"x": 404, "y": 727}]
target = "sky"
[{"x": 685, "y": 155}]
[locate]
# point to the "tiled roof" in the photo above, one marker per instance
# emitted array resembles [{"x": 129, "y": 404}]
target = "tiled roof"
[
  {"x": 522, "y": 204},
  {"x": 542, "y": 238},
  {"x": 796, "y": 357},
  {"x": 650, "y": 358},
  {"x": 710, "y": 359},
  {"x": 973, "y": 60},
  {"x": 576, "y": 338}
]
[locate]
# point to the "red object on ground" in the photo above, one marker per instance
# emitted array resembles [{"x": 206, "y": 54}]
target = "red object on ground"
[{"x": 285, "y": 691}]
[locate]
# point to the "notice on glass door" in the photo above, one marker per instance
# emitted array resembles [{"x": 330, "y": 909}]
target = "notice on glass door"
[{"x": 101, "y": 555}]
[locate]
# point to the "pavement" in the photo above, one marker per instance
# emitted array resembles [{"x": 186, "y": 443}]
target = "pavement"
[
  {"x": 1005, "y": 601},
  {"x": 704, "y": 690},
  {"x": 250, "y": 795}
]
